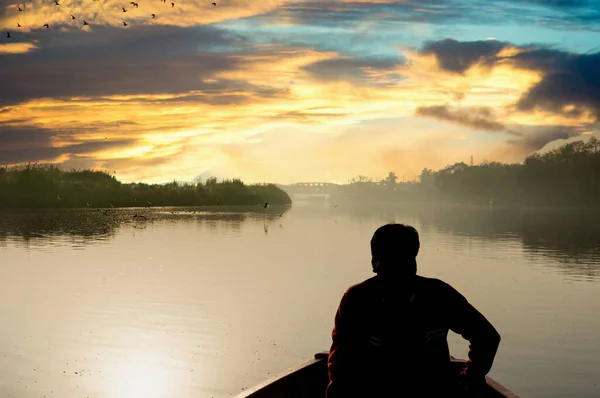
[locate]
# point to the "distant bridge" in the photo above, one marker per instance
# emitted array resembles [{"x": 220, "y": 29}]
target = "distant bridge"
[
  {"x": 310, "y": 190},
  {"x": 314, "y": 184}
]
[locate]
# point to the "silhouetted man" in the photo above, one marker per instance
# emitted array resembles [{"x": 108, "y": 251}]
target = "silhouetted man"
[{"x": 390, "y": 334}]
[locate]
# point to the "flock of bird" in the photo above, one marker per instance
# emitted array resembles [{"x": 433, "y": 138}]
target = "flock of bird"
[{"x": 85, "y": 23}]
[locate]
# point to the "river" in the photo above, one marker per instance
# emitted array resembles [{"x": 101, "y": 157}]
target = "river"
[{"x": 206, "y": 302}]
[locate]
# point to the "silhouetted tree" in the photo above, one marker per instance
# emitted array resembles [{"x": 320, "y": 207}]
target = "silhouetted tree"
[
  {"x": 38, "y": 186},
  {"x": 568, "y": 175},
  {"x": 391, "y": 179}
]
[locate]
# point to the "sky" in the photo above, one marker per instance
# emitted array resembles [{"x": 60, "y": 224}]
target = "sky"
[{"x": 293, "y": 91}]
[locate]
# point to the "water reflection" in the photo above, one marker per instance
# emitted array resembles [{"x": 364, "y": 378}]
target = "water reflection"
[
  {"x": 89, "y": 226},
  {"x": 570, "y": 237},
  {"x": 203, "y": 302},
  {"x": 39, "y": 227}
]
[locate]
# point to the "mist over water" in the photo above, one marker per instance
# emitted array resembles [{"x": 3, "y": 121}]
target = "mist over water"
[{"x": 195, "y": 302}]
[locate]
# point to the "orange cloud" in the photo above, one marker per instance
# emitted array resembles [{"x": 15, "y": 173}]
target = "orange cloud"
[
  {"x": 109, "y": 12},
  {"x": 17, "y": 48},
  {"x": 306, "y": 128}
]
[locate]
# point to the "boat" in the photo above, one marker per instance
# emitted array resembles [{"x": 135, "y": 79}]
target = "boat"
[{"x": 310, "y": 379}]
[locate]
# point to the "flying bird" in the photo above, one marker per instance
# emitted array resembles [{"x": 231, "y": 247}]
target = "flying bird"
[
  {"x": 18, "y": 25},
  {"x": 172, "y": 4},
  {"x": 8, "y": 36},
  {"x": 266, "y": 205},
  {"x": 46, "y": 26},
  {"x": 72, "y": 16},
  {"x": 214, "y": 4},
  {"x": 153, "y": 15},
  {"x": 19, "y": 8},
  {"x": 124, "y": 23},
  {"x": 56, "y": 2},
  {"x": 58, "y": 197},
  {"x": 136, "y": 5},
  {"x": 124, "y": 9},
  {"x": 85, "y": 23}
]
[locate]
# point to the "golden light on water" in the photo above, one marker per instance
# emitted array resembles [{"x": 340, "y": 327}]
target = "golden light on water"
[
  {"x": 143, "y": 361},
  {"x": 143, "y": 376}
]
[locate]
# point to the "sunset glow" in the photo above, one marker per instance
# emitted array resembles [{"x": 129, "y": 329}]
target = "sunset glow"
[{"x": 288, "y": 91}]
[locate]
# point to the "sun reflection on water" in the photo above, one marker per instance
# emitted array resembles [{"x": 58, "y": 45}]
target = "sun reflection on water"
[{"x": 143, "y": 375}]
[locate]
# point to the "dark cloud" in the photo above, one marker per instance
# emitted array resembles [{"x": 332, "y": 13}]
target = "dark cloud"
[
  {"x": 459, "y": 56},
  {"x": 33, "y": 144},
  {"x": 481, "y": 118},
  {"x": 525, "y": 140},
  {"x": 142, "y": 60},
  {"x": 532, "y": 138},
  {"x": 350, "y": 69},
  {"x": 568, "y": 79}
]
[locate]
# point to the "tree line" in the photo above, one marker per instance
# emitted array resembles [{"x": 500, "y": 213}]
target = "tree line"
[
  {"x": 568, "y": 175},
  {"x": 48, "y": 186}
]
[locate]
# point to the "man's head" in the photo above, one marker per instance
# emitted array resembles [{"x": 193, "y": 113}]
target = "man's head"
[{"x": 394, "y": 249}]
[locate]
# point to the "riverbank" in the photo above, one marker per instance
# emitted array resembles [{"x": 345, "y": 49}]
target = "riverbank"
[{"x": 47, "y": 186}]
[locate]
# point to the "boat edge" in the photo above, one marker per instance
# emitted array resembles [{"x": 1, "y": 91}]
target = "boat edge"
[{"x": 323, "y": 356}]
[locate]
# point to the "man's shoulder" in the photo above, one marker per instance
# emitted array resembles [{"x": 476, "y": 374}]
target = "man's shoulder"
[
  {"x": 372, "y": 285},
  {"x": 436, "y": 288},
  {"x": 431, "y": 283},
  {"x": 363, "y": 288}
]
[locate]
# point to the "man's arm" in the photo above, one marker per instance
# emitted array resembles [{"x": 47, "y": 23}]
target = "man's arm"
[
  {"x": 484, "y": 340},
  {"x": 341, "y": 356}
]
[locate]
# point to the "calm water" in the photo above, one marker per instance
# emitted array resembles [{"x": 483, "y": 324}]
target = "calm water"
[{"x": 204, "y": 304}]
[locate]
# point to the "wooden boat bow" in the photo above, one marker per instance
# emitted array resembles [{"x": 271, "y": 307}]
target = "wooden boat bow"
[{"x": 310, "y": 379}]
